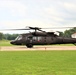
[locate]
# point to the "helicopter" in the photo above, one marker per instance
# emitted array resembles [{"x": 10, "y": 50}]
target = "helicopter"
[{"x": 40, "y": 37}]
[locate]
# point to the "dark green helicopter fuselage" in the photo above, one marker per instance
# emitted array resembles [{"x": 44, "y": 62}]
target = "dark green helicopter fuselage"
[{"x": 40, "y": 38}]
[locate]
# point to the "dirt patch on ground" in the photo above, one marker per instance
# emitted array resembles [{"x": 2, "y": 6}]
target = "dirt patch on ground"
[{"x": 24, "y": 48}]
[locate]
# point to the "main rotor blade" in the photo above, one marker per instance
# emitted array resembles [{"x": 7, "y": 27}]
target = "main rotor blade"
[
  {"x": 36, "y": 28},
  {"x": 58, "y": 27},
  {"x": 12, "y": 29}
]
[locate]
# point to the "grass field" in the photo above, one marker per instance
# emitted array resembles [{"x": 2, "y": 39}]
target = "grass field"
[
  {"x": 5, "y": 43},
  {"x": 38, "y": 63}
]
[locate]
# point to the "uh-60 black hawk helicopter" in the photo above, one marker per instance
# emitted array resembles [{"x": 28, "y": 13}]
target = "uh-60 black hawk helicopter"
[{"x": 39, "y": 37}]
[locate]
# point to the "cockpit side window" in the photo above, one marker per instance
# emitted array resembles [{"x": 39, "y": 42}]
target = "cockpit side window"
[{"x": 19, "y": 37}]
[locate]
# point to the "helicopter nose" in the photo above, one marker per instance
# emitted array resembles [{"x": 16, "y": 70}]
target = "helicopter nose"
[{"x": 12, "y": 42}]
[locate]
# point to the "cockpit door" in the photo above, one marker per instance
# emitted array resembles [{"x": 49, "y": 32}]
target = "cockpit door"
[{"x": 29, "y": 39}]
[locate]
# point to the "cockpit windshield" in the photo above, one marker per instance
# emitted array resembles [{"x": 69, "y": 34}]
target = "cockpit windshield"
[{"x": 19, "y": 37}]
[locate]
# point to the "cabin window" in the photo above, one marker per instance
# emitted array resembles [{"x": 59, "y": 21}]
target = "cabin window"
[
  {"x": 34, "y": 38},
  {"x": 39, "y": 38}
]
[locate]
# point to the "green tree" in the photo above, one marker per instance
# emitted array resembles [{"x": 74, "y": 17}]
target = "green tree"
[
  {"x": 61, "y": 33},
  {"x": 69, "y": 32},
  {"x": 1, "y": 36},
  {"x": 10, "y": 36}
]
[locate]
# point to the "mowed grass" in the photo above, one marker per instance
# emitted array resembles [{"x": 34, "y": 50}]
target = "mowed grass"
[
  {"x": 5, "y": 43},
  {"x": 38, "y": 63}
]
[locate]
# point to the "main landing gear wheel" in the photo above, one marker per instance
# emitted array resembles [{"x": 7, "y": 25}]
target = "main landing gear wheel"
[{"x": 29, "y": 46}]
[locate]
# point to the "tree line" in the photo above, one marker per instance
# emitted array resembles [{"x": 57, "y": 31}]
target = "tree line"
[
  {"x": 8, "y": 36},
  {"x": 66, "y": 33}
]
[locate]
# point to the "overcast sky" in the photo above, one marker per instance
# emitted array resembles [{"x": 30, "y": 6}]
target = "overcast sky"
[{"x": 38, "y": 13}]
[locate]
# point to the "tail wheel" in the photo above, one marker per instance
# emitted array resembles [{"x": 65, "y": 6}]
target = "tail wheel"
[{"x": 29, "y": 46}]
